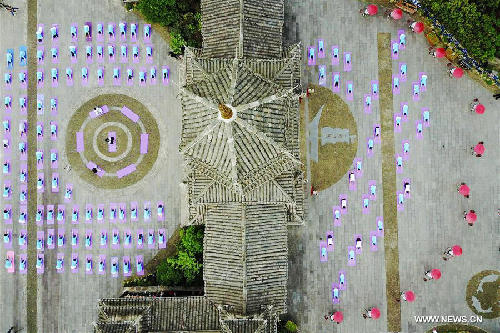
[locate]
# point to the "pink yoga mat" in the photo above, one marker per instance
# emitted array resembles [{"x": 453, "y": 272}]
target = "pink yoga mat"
[
  {"x": 394, "y": 50},
  {"x": 24, "y": 258},
  {"x": 373, "y": 241},
  {"x": 335, "y": 293},
  {"x": 380, "y": 225},
  {"x": 8, "y": 244},
  {"x": 8, "y": 215},
  {"x": 342, "y": 280},
  {"x": 102, "y": 259},
  {"x": 61, "y": 257},
  {"x": 126, "y": 261},
  {"x": 139, "y": 265},
  {"x": 112, "y": 146},
  {"x": 40, "y": 269},
  {"x": 321, "y": 48},
  {"x": 347, "y": 62},
  {"x": 351, "y": 256},
  {"x": 311, "y": 56},
  {"x": 335, "y": 55},
  {"x": 88, "y": 258},
  {"x": 337, "y": 216},
  {"x": 343, "y": 203},
  {"x": 77, "y": 267},
  {"x": 151, "y": 239},
  {"x": 160, "y": 211},
  {"x": 416, "y": 91},
  {"x": 372, "y": 189},
  {"x": 402, "y": 41},
  {"x": 399, "y": 163},
  {"x": 88, "y": 217},
  {"x": 323, "y": 252},
  {"x": 400, "y": 204},
  {"x": 162, "y": 239},
  {"x": 403, "y": 75},
  {"x": 367, "y": 103},
  {"x": 351, "y": 179},
  {"x": 100, "y": 32},
  {"x": 419, "y": 127},
  {"x": 370, "y": 146},
  {"x": 398, "y": 119},
  {"x": 75, "y": 215},
  {"x": 330, "y": 241},
  {"x": 349, "y": 91},
  {"x": 79, "y": 142},
  {"x": 336, "y": 82},
  {"x": 358, "y": 167},
  {"x": 404, "y": 110},
  {"x": 426, "y": 120},
  {"x": 405, "y": 146},
  {"x": 406, "y": 194},
  {"x": 375, "y": 90},
  {"x": 126, "y": 171},
  {"x": 365, "y": 203},
  {"x": 395, "y": 85},
  {"x": 377, "y": 133},
  {"x": 129, "y": 114},
  {"x": 144, "y": 143}
]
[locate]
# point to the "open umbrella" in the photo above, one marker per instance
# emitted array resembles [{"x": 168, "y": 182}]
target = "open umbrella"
[
  {"x": 410, "y": 296},
  {"x": 457, "y": 250},
  {"x": 464, "y": 190},
  {"x": 479, "y": 148},
  {"x": 436, "y": 274},
  {"x": 440, "y": 52},
  {"x": 338, "y": 317},
  {"x": 471, "y": 217},
  {"x": 372, "y": 10},
  {"x": 375, "y": 313},
  {"x": 419, "y": 27},
  {"x": 397, "y": 13},
  {"x": 458, "y": 72},
  {"x": 479, "y": 109}
]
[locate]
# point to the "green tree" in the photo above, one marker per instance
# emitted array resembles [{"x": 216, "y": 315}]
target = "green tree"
[
  {"x": 187, "y": 264},
  {"x": 192, "y": 240},
  {"x": 168, "y": 275},
  {"x": 165, "y": 12},
  {"x": 176, "y": 42},
  {"x": 291, "y": 326}
]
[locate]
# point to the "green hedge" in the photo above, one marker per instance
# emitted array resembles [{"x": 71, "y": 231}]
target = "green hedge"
[
  {"x": 181, "y": 17},
  {"x": 475, "y": 23}
]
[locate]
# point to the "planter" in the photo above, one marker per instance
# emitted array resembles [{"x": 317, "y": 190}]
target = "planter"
[
  {"x": 451, "y": 55},
  {"x": 432, "y": 39}
]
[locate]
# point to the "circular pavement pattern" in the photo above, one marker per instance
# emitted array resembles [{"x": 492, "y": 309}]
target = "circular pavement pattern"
[
  {"x": 128, "y": 132},
  {"x": 334, "y": 159},
  {"x": 483, "y": 294}
]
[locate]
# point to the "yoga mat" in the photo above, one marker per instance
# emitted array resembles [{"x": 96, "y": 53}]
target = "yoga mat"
[
  {"x": 40, "y": 240},
  {"x": 23, "y": 173},
  {"x": 8, "y": 103},
  {"x": 75, "y": 256},
  {"x": 40, "y": 55},
  {"x": 88, "y": 236},
  {"x": 23, "y": 59},
  {"x": 400, "y": 200},
  {"x": 367, "y": 104},
  {"x": 323, "y": 252},
  {"x": 100, "y": 216},
  {"x": 139, "y": 263},
  {"x": 162, "y": 244},
  {"x": 88, "y": 213},
  {"x": 151, "y": 239},
  {"x": 54, "y": 55},
  {"x": 113, "y": 212},
  {"x": 68, "y": 194},
  {"x": 69, "y": 77},
  {"x": 74, "y": 32},
  {"x": 79, "y": 142},
  {"x": 144, "y": 143},
  {"x": 147, "y": 33},
  {"x": 39, "y": 79},
  {"x": 343, "y": 203},
  {"x": 405, "y": 145},
  {"x": 10, "y": 255},
  {"x": 395, "y": 85},
  {"x": 89, "y": 54},
  {"x": 55, "y": 185},
  {"x": 311, "y": 58},
  {"x": 127, "y": 239},
  {"x": 122, "y": 212},
  {"x": 140, "y": 234},
  {"x": 75, "y": 215},
  {"x": 41, "y": 188},
  {"x": 149, "y": 54},
  {"x": 335, "y": 293},
  {"x": 397, "y": 122},
  {"x": 60, "y": 235},
  {"x": 129, "y": 114},
  {"x": 73, "y": 58},
  {"x": 330, "y": 244},
  {"x": 133, "y": 205},
  {"x": 100, "y": 53},
  {"x": 342, "y": 281},
  {"x": 55, "y": 77},
  {"x": 23, "y": 85},
  {"x": 51, "y": 234},
  {"x": 100, "y": 76},
  {"x": 403, "y": 74},
  {"x": 87, "y": 31},
  {"x": 100, "y": 32},
  {"x": 349, "y": 91},
  {"x": 160, "y": 211},
  {"x": 375, "y": 90},
  {"x": 135, "y": 54},
  {"x": 426, "y": 117},
  {"x": 103, "y": 240},
  {"x": 53, "y": 159},
  {"x": 321, "y": 48},
  {"x": 115, "y": 240},
  {"x": 8, "y": 81},
  {"x": 372, "y": 190},
  {"x": 88, "y": 269},
  {"x": 126, "y": 171},
  {"x": 111, "y": 32},
  {"x": 23, "y": 104},
  {"x": 142, "y": 77},
  {"x": 7, "y": 214},
  {"x": 122, "y": 26},
  {"x": 399, "y": 163},
  {"x": 416, "y": 91},
  {"x": 373, "y": 241},
  {"x": 61, "y": 217},
  {"x": 365, "y": 202},
  {"x": 117, "y": 81},
  {"x": 376, "y": 133},
  {"x": 406, "y": 194},
  {"x": 358, "y": 251},
  {"x": 7, "y": 243},
  {"x": 126, "y": 261},
  {"x": 351, "y": 179},
  {"x": 102, "y": 259},
  {"x": 404, "y": 111},
  {"x": 336, "y": 82},
  {"x": 10, "y": 62},
  {"x": 153, "y": 75},
  {"x": 147, "y": 208},
  {"x": 24, "y": 258},
  {"x": 75, "y": 236},
  {"x": 111, "y": 53},
  {"x": 165, "y": 75},
  {"x": 40, "y": 210},
  {"x": 322, "y": 75},
  {"x": 351, "y": 256},
  {"x": 23, "y": 188},
  {"x": 23, "y": 234},
  {"x": 358, "y": 167},
  {"x": 419, "y": 129},
  {"x": 347, "y": 62},
  {"x": 61, "y": 257},
  {"x": 402, "y": 39},
  {"x": 369, "y": 147},
  {"x": 394, "y": 50},
  {"x": 40, "y": 269},
  {"x": 133, "y": 31},
  {"x": 337, "y": 216},
  {"x": 112, "y": 146},
  {"x": 422, "y": 78}
]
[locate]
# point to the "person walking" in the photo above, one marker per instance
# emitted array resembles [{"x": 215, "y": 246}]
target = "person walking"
[
  {"x": 496, "y": 95},
  {"x": 408, "y": 296},
  {"x": 432, "y": 274},
  {"x": 451, "y": 252}
]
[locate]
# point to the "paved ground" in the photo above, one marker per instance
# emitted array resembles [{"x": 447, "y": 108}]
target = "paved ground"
[
  {"x": 67, "y": 302},
  {"x": 431, "y": 219}
]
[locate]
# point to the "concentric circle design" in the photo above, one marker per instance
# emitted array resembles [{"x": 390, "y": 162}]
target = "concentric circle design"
[
  {"x": 483, "y": 294},
  {"x": 127, "y": 163}
]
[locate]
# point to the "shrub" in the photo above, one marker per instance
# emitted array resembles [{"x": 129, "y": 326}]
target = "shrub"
[
  {"x": 168, "y": 275},
  {"x": 177, "y": 43},
  {"x": 291, "y": 326}
]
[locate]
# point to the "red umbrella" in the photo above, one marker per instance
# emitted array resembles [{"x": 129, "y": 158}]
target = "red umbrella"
[
  {"x": 338, "y": 317},
  {"x": 480, "y": 108},
  {"x": 436, "y": 274},
  {"x": 479, "y": 148},
  {"x": 410, "y": 296},
  {"x": 471, "y": 217},
  {"x": 375, "y": 313},
  {"x": 419, "y": 27},
  {"x": 440, "y": 52},
  {"x": 397, "y": 13},
  {"x": 458, "y": 72},
  {"x": 464, "y": 190},
  {"x": 457, "y": 250},
  {"x": 372, "y": 10}
]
